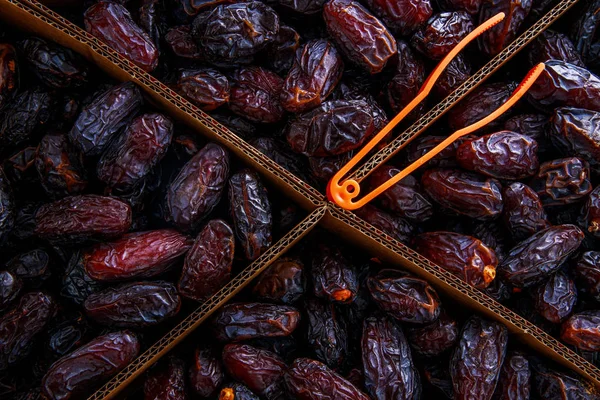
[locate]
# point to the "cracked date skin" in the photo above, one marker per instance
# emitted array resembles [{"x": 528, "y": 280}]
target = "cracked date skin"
[
  {"x": 78, "y": 219},
  {"x": 556, "y": 298},
  {"x": 207, "y": 88},
  {"x": 515, "y": 378},
  {"x": 442, "y": 33},
  {"x": 327, "y": 333},
  {"x": 406, "y": 82},
  {"x": 387, "y": 362},
  {"x": 10, "y": 288},
  {"x": 243, "y": 321},
  {"x": 403, "y": 17},
  {"x": 255, "y": 95},
  {"x": 435, "y": 338},
  {"x": 551, "y": 385},
  {"x": 76, "y": 374},
  {"x": 360, "y": 36},
  {"x": 587, "y": 274},
  {"x": 477, "y": 359},
  {"x": 464, "y": 256},
  {"x": 283, "y": 282},
  {"x": 167, "y": 383},
  {"x": 198, "y": 187},
  {"x": 551, "y": 45},
  {"x": 466, "y": 193},
  {"x": 589, "y": 219},
  {"x": 404, "y": 297},
  {"x": 576, "y": 132},
  {"x": 396, "y": 227},
  {"x": 308, "y": 379},
  {"x": 7, "y": 207},
  {"x": 582, "y": 330},
  {"x": 136, "y": 255},
  {"x": 112, "y": 23},
  {"x": 495, "y": 39},
  {"x": 534, "y": 259},
  {"x": 206, "y": 372},
  {"x": 562, "y": 181},
  {"x": 99, "y": 121},
  {"x": 28, "y": 112},
  {"x": 207, "y": 266},
  {"x": 9, "y": 72},
  {"x": 523, "y": 213},
  {"x": 333, "y": 276}
]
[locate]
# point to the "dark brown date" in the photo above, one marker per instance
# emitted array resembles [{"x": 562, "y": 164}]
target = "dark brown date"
[
  {"x": 282, "y": 282},
  {"x": 198, "y": 187},
  {"x": 207, "y": 266},
  {"x": 532, "y": 125},
  {"x": 255, "y": 95},
  {"x": 515, "y": 377},
  {"x": 206, "y": 88},
  {"x": 324, "y": 168},
  {"x": 584, "y": 35},
  {"x": 404, "y": 297},
  {"x": 10, "y": 288},
  {"x": 26, "y": 113},
  {"x": 442, "y": 33},
  {"x": 112, "y": 23},
  {"x": 523, "y": 213},
  {"x": 550, "y": 45},
  {"x": 562, "y": 181},
  {"x": 281, "y": 53},
  {"x": 574, "y": 132},
  {"x": 455, "y": 74},
  {"x": 18, "y": 167},
  {"x": 77, "y": 285},
  {"x": 100, "y": 120},
  {"x": 361, "y": 37},
  {"x": 423, "y": 145},
  {"x": 237, "y": 391},
  {"x": 406, "y": 82},
  {"x": 477, "y": 359},
  {"x": 133, "y": 305},
  {"x": 316, "y": 70},
  {"x": 435, "y": 338},
  {"x": 327, "y": 333},
  {"x": 78, "y": 373},
  {"x": 466, "y": 193},
  {"x": 587, "y": 274},
  {"x": 582, "y": 330},
  {"x": 206, "y": 373},
  {"x": 462, "y": 255},
  {"x": 242, "y": 321},
  {"x": 7, "y": 207},
  {"x": 534, "y": 259},
  {"x": 309, "y": 379},
  {"x": 182, "y": 43},
  {"x": 79, "y": 219},
  {"x": 281, "y": 154},
  {"x": 555, "y": 299},
  {"x": 495, "y": 39},
  {"x": 589, "y": 220},
  {"x": 333, "y": 276},
  {"x": 396, "y": 227},
  {"x": 303, "y": 6},
  {"x": 493, "y": 235},
  {"x": 550, "y": 385},
  {"x": 402, "y": 17},
  {"x": 166, "y": 383},
  {"x": 9, "y": 76}
]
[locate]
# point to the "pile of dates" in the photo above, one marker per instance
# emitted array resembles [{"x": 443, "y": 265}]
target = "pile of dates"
[
  {"x": 327, "y": 324},
  {"x": 114, "y": 222}
]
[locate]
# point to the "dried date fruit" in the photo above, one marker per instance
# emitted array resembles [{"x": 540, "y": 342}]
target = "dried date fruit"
[
  {"x": 562, "y": 181},
  {"x": 255, "y": 94},
  {"x": 555, "y": 299},
  {"x": 584, "y": 34},
  {"x": 532, "y": 125},
  {"x": 402, "y": 17},
  {"x": 404, "y": 297},
  {"x": 437, "y": 374},
  {"x": 100, "y": 120},
  {"x": 26, "y": 113},
  {"x": 523, "y": 213},
  {"x": 462, "y": 255},
  {"x": 206, "y": 373},
  {"x": 152, "y": 20},
  {"x": 18, "y": 167},
  {"x": 197, "y": 189},
  {"x": 396, "y": 227},
  {"x": 422, "y": 145},
  {"x": 10, "y": 288},
  {"x": 589, "y": 220},
  {"x": 493, "y": 235},
  {"x": 282, "y": 156},
  {"x": 7, "y": 207},
  {"x": 206, "y": 88},
  {"x": 237, "y": 391},
  {"x": 282, "y": 51},
  {"x": 477, "y": 359},
  {"x": 303, "y": 6},
  {"x": 361, "y": 37},
  {"x": 77, "y": 285},
  {"x": 133, "y": 305},
  {"x": 582, "y": 330},
  {"x": 387, "y": 362},
  {"x": 74, "y": 375},
  {"x": 406, "y": 82},
  {"x": 79, "y": 219},
  {"x": 242, "y": 321},
  {"x": 455, "y": 74},
  {"x": 551, "y": 385},
  {"x": 515, "y": 378},
  {"x": 466, "y": 193},
  {"x": 576, "y": 132},
  {"x": 587, "y": 274},
  {"x": 435, "y": 338},
  {"x": 333, "y": 276},
  {"x": 495, "y": 39},
  {"x": 282, "y": 282},
  {"x": 112, "y": 23},
  {"x": 67, "y": 336},
  {"x": 442, "y": 33},
  {"x": 167, "y": 383},
  {"x": 9, "y": 73},
  {"x": 207, "y": 266},
  {"x": 182, "y": 43},
  {"x": 327, "y": 333},
  {"x": 550, "y": 45},
  {"x": 534, "y": 259},
  {"x": 250, "y": 210},
  {"x": 324, "y": 168}
]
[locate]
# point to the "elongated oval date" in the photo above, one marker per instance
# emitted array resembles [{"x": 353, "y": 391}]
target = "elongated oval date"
[
  {"x": 387, "y": 361},
  {"x": 182, "y": 43},
  {"x": 582, "y": 330},
  {"x": 206, "y": 88},
  {"x": 237, "y": 391},
  {"x": 308, "y": 379},
  {"x": 283, "y": 282},
  {"x": 404, "y": 297},
  {"x": 551, "y": 45},
  {"x": 167, "y": 383},
  {"x": 534, "y": 259},
  {"x": 562, "y": 181},
  {"x": 197, "y": 188},
  {"x": 242, "y": 321},
  {"x": 333, "y": 276},
  {"x": 515, "y": 378},
  {"x": 281, "y": 53},
  {"x": 250, "y": 210},
  {"x": 24, "y": 115},
  {"x": 523, "y": 213},
  {"x": 56, "y": 66},
  {"x": 360, "y": 36},
  {"x": 584, "y": 35},
  {"x": 316, "y": 70},
  {"x": 555, "y": 299},
  {"x": 455, "y": 74},
  {"x": 10, "y": 288},
  {"x": 324, "y": 168},
  {"x": 136, "y": 152},
  {"x": 550, "y": 384},
  {"x": 532, "y": 125},
  {"x": 435, "y": 338},
  {"x": 327, "y": 333},
  {"x": 446, "y": 158},
  {"x": 466, "y": 193},
  {"x": 464, "y": 256},
  {"x": 136, "y": 255},
  {"x": 402, "y": 17},
  {"x": 7, "y": 207},
  {"x": 255, "y": 95},
  {"x": 589, "y": 220},
  {"x": 396, "y": 227},
  {"x": 576, "y": 132},
  {"x": 99, "y": 121},
  {"x": 477, "y": 359},
  {"x": 112, "y": 23},
  {"x": 207, "y": 266},
  {"x": 74, "y": 375},
  {"x": 22, "y": 324},
  {"x": 502, "y": 155},
  {"x": 495, "y": 39},
  {"x": 9, "y": 72},
  {"x": 587, "y": 274},
  {"x": 406, "y": 82},
  {"x": 441, "y": 33},
  {"x": 206, "y": 372}
]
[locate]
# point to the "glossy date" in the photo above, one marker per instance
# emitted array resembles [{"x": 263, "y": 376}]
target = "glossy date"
[
  {"x": 206, "y": 88},
  {"x": 206, "y": 372},
  {"x": 283, "y": 282},
  {"x": 333, "y": 276},
  {"x": 562, "y": 181}
]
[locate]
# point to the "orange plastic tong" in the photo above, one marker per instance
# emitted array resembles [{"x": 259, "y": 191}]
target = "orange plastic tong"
[{"x": 345, "y": 192}]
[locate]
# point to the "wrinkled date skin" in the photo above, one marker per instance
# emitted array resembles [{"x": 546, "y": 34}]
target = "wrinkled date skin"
[
  {"x": 250, "y": 210},
  {"x": 167, "y": 384},
  {"x": 555, "y": 299},
  {"x": 112, "y": 23},
  {"x": 562, "y": 181},
  {"x": 405, "y": 84},
  {"x": 495, "y": 39},
  {"x": 550, "y": 384},
  {"x": 477, "y": 359},
  {"x": 532, "y": 125},
  {"x": 387, "y": 361},
  {"x": 10, "y": 288},
  {"x": 324, "y": 168},
  {"x": 282, "y": 51},
  {"x": 535, "y": 258},
  {"x": 582, "y": 330},
  {"x": 333, "y": 276},
  {"x": 316, "y": 70},
  {"x": 464, "y": 256},
  {"x": 7, "y": 207},
  {"x": 9, "y": 76},
  {"x": 136, "y": 255},
  {"x": 182, "y": 44},
  {"x": 441, "y": 33},
  {"x": 515, "y": 377},
  {"x": 134, "y": 305},
  {"x": 464, "y": 192},
  {"x": 282, "y": 282},
  {"x": 18, "y": 167},
  {"x": 501, "y": 155},
  {"x": 309, "y": 379},
  {"x": 361, "y": 37},
  {"x": 587, "y": 274},
  {"x": 28, "y": 111},
  {"x": 20, "y": 325},
  {"x": 281, "y": 154},
  {"x": 589, "y": 220},
  {"x": 206, "y": 372},
  {"x": 575, "y": 131},
  {"x": 237, "y": 391},
  {"x": 242, "y": 321},
  {"x": 79, "y": 372},
  {"x": 403, "y": 16},
  {"x": 255, "y": 95},
  {"x": 550, "y": 45},
  {"x": 82, "y": 218},
  {"x": 523, "y": 213},
  {"x": 206, "y": 88},
  {"x": 393, "y": 226},
  {"x": 198, "y": 187},
  {"x": 435, "y": 338},
  {"x": 77, "y": 285},
  {"x": 207, "y": 266},
  {"x": 327, "y": 332},
  {"x": 455, "y": 74},
  {"x": 100, "y": 120},
  {"x": 404, "y": 297},
  {"x": 584, "y": 34}
]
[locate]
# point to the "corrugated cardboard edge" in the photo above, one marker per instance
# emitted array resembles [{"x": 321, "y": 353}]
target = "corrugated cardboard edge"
[
  {"x": 53, "y": 26},
  {"x": 463, "y": 90}
]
